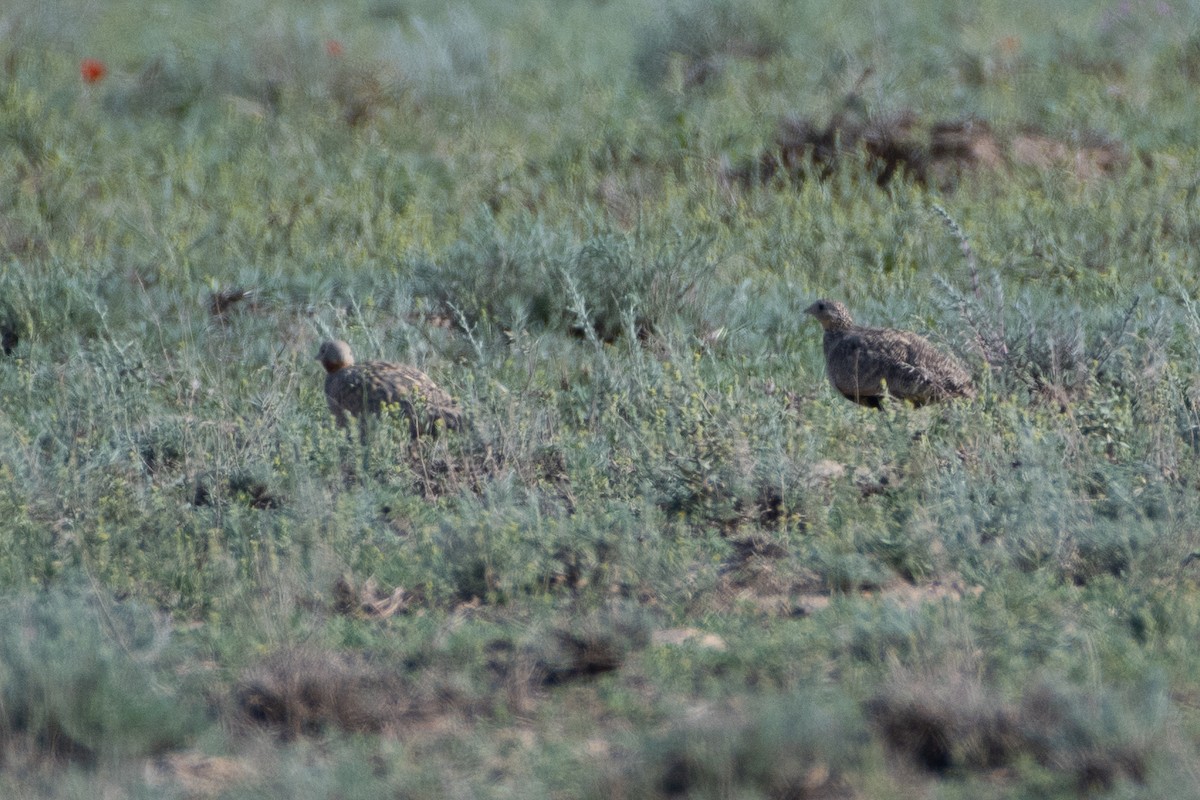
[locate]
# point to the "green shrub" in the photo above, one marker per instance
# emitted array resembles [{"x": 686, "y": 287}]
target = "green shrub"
[
  {"x": 87, "y": 679},
  {"x": 803, "y": 745},
  {"x": 701, "y": 32}
]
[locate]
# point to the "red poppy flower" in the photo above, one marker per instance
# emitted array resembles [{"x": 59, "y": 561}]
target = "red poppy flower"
[
  {"x": 333, "y": 48},
  {"x": 92, "y": 70}
]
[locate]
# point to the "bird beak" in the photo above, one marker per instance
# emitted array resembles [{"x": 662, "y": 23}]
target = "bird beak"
[{"x": 811, "y": 309}]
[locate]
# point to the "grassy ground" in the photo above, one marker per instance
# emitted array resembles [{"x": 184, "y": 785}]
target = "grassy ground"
[{"x": 666, "y": 559}]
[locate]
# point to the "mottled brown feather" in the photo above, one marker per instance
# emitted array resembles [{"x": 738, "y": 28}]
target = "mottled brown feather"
[
  {"x": 352, "y": 389},
  {"x": 869, "y": 364}
]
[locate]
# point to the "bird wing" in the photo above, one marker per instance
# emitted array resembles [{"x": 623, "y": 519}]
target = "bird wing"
[
  {"x": 855, "y": 367},
  {"x": 399, "y": 383},
  {"x": 863, "y": 361},
  {"x": 372, "y": 386},
  {"x": 415, "y": 393},
  {"x": 939, "y": 373}
]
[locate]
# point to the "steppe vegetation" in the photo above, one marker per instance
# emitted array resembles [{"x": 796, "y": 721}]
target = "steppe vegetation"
[{"x": 664, "y": 558}]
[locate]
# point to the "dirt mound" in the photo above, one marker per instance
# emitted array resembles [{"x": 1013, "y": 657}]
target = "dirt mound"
[
  {"x": 306, "y": 691},
  {"x": 953, "y": 722},
  {"x": 932, "y": 152}
]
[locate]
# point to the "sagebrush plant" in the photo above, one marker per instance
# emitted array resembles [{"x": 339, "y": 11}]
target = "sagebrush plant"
[
  {"x": 781, "y": 746},
  {"x": 662, "y": 556},
  {"x": 93, "y": 684},
  {"x": 699, "y": 35}
]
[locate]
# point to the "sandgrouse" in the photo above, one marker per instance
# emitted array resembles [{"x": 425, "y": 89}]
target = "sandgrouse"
[
  {"x": 869, "y": 364},
  {"x": 354, "y": 388}
]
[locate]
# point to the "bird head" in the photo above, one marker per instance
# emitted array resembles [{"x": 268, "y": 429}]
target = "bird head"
[
  {"x": 335, "y": 355},
  {"x": 832, "y": 315}
]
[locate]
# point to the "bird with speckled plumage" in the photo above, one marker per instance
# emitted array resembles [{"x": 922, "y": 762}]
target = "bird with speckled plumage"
[
  {"x": 866, "y": 365},
  {"x": 356, "y": 389}
]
